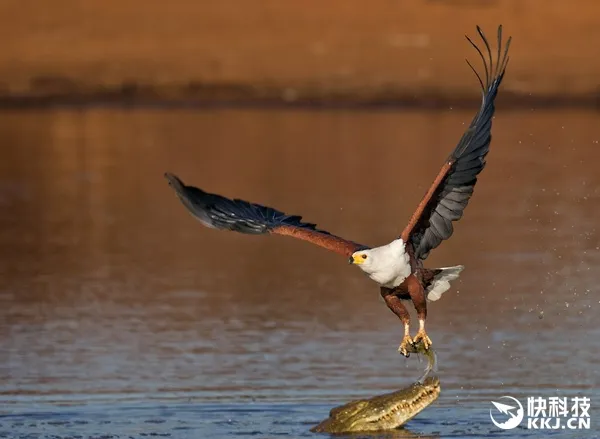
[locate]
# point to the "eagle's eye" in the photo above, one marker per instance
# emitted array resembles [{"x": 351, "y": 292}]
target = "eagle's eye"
[{"x": 364, "y": 256}]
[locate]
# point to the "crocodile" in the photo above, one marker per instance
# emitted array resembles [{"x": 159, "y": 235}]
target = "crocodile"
[{"x": 387, "y": 411}]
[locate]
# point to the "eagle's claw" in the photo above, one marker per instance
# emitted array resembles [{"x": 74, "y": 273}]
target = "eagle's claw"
[
  {"x": 405, "y": 346},
  {"x": 422, "y": 336}
]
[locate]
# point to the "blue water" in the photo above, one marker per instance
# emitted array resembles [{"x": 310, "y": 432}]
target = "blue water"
[{"x": 181, "y": 419}]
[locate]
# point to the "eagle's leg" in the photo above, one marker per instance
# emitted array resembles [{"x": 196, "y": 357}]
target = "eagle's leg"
[
  {"x": 395, "y": 304},
  {"x": 417, "y": 294}
]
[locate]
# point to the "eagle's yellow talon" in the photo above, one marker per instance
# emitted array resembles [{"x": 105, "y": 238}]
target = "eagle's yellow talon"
[
  {"x": 422, "y": 336},
  {"x": 405, "y": 346}
]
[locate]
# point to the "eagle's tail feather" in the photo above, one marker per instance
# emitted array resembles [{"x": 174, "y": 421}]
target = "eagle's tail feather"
[{"x": 441, "y": 282}]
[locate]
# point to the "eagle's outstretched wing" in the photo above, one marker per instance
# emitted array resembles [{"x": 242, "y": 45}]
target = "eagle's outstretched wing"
[
  {"x": 218, "y": 212},
  {"x": 450, "y": 192}
]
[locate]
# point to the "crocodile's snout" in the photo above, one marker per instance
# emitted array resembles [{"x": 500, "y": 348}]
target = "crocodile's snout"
[{"x": 383, "y": 412}]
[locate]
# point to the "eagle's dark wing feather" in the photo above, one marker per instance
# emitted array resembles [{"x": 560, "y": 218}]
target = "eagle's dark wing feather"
[
  {"x": 218, "y": 212},
  {"x": 448, "y": 196}
]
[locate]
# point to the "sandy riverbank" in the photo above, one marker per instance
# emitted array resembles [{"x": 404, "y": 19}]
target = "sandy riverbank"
[{"x": 273, "y": 51}]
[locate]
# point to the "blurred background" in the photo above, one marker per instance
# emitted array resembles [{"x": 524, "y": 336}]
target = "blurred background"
[
  {"x": 121, "y": 315},
  {"x": 269, "y": 50}
]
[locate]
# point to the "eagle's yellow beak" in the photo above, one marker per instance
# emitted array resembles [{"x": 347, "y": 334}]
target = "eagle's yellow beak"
[{"x": 356, "y": 259}]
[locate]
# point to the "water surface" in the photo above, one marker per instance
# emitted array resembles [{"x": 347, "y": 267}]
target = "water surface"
[{"x": 122, "y": 316}]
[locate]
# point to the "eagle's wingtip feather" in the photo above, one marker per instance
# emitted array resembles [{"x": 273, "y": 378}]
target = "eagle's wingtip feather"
[{"x": 174, "y": 181}]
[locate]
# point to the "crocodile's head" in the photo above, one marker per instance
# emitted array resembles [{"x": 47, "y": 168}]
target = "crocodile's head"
[{"x": 383, "y": 412}]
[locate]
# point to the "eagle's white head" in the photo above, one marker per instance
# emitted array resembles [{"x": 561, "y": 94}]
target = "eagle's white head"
[
  {"x": 363, "y": 258},
  {"x": 387, "y": 265}
]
